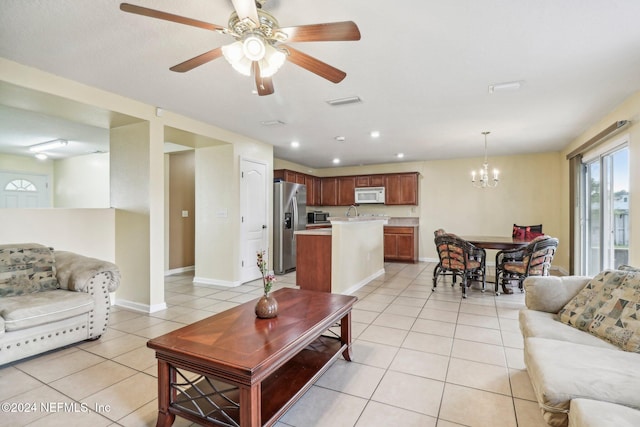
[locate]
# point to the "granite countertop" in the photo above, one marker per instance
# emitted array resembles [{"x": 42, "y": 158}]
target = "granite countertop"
[
  {"x": 403, "y": 222},
  {"x": 315, "y": 232},
  {"x": 357, "y": 218}
]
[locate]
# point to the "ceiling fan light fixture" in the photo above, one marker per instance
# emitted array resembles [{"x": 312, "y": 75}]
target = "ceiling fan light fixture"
[
  {"x": 254, "y": 47},
  {"x": 272, "y": 61},
  {"x": 234, "y": 54}
]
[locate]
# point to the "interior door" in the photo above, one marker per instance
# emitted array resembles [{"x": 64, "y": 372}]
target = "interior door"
[{"x": 254, "y": 213}]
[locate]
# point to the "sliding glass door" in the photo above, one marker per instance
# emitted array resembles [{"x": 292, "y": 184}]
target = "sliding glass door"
[{"x": 605, "y": 211}]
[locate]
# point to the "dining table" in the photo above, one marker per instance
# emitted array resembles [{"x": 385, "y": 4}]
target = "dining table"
[{"x": 499, "y": 243}]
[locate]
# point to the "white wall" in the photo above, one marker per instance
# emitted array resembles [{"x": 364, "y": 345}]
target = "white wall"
[
  {"x": 357, "y": 254},
  {"x": 217, "y": 216},
  {"x": 82, "y": 182},
  {"x": 89, "y": 232},
  {"x": 26, "y": 164}
]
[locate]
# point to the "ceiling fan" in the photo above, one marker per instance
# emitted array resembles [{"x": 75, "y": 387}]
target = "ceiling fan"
[{"x": 259, "y": 48}]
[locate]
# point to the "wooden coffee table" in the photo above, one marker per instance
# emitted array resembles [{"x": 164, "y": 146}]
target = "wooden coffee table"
[{"x": 233, "y": 369}]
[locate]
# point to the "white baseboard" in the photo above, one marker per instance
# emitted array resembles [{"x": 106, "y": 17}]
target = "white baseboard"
[
  {"x": 201, "y": 281},
  {"x": 363, "y": 282},
  {"x": 179, "y": 270},
  {"x": 144, "y": 308}
]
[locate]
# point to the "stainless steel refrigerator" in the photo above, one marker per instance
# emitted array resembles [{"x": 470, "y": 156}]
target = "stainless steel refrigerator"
[{"x": 289, "y": 215}]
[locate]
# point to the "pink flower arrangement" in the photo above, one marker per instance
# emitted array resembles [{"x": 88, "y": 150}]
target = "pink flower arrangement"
[{"x": 267, "y": 279}]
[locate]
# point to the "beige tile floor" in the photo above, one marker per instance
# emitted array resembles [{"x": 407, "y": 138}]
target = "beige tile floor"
[{"x": 420, "y": 359}]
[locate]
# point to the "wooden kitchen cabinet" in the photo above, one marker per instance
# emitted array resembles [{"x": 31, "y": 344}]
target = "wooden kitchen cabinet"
[
  {"x": 401, "y": 189},
  {"x": 313, "y": 257},
  {"x": 376, "y": 180},
  {"x": 314, "y": 189},
  {"x": 363, "y": 181},
  {"x": 400, "y": 244},
  {"x": 290, "y": 176},
  {"x": 312, "y": 183},
  {"x": 370, "y": 180},
  {"x": 329, "y": 192},
  {"x": 346, "y": 190}
]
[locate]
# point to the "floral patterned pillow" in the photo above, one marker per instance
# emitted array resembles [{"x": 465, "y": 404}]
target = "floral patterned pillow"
[
  {"x": 26, "y": 268},
  {"x": 625, "y": 267},
  {"x": 609, "y": 308}
]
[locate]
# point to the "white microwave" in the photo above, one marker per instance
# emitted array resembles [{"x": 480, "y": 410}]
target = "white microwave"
[{"x": 369, "y": 195}]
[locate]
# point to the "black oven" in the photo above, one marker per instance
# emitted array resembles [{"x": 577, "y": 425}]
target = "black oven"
[{"x": 317, "y": 217}]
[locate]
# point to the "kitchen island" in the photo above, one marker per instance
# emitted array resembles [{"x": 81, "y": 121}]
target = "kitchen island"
[{"x": 343, "y": 258}]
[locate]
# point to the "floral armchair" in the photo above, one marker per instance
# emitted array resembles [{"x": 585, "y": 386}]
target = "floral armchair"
[
  {"x": 531, "y": 260},
  {"x": 459, "y": 258}
]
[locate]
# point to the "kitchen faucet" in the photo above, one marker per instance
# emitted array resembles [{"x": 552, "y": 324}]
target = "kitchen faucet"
[{"x": 349, "y": 210}]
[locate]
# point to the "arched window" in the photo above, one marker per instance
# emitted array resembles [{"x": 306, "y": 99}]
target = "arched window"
[{"x": 20, "y": 185}]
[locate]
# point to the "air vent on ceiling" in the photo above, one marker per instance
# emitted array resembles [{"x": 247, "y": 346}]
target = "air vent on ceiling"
[
  {"x": 344, "y": 101},
  {"x": 272, "y": 123}
]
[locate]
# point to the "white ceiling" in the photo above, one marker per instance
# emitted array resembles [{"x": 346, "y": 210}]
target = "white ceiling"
[{"x": 422, "y": 69}]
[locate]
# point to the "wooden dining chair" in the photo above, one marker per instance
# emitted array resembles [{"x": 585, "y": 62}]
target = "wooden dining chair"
[
  {"x": 459, "y": 258},
  {"x": 518, "y": 264}
]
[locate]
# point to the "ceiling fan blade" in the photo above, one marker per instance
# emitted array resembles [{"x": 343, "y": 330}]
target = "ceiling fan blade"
[
  {"x": 152, "y": 13},
  {"x": 192, "y": 63},
  {"x": 315, "y": 65},
  {"x": 334, "y": 31},
  {"x": 246, "y": 9},
  {"x": 264, "y": 85}
]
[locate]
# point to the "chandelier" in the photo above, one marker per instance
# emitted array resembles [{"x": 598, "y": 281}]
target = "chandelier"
[{"x": 482, "y": 181}]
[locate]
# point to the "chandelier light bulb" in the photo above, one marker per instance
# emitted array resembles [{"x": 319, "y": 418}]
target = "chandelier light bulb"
[{"x": 483, "y": 180}]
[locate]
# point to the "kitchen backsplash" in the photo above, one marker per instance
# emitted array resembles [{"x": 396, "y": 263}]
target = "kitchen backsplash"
[{"x": 381, "y": 210}]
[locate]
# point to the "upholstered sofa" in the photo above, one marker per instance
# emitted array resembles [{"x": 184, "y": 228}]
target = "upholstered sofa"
[
  {"x": 49, "y": 299},
  {"x": 584, "y": 366}
]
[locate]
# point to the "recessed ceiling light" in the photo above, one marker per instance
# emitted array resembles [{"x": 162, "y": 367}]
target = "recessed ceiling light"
[
  {"x": 336, "y": 161},
  {"x": 295, "y": 144},
  {"x": 341, "y": 138},
  {"x": 505, "y": 86},
  {"x": 375, "y": 134},
  {"x": 400, "y": 155}
]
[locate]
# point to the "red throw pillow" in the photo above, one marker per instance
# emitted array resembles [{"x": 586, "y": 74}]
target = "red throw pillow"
[
  {"x": 520, "y": 232},
  {"x": 530, "y": 235}
]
